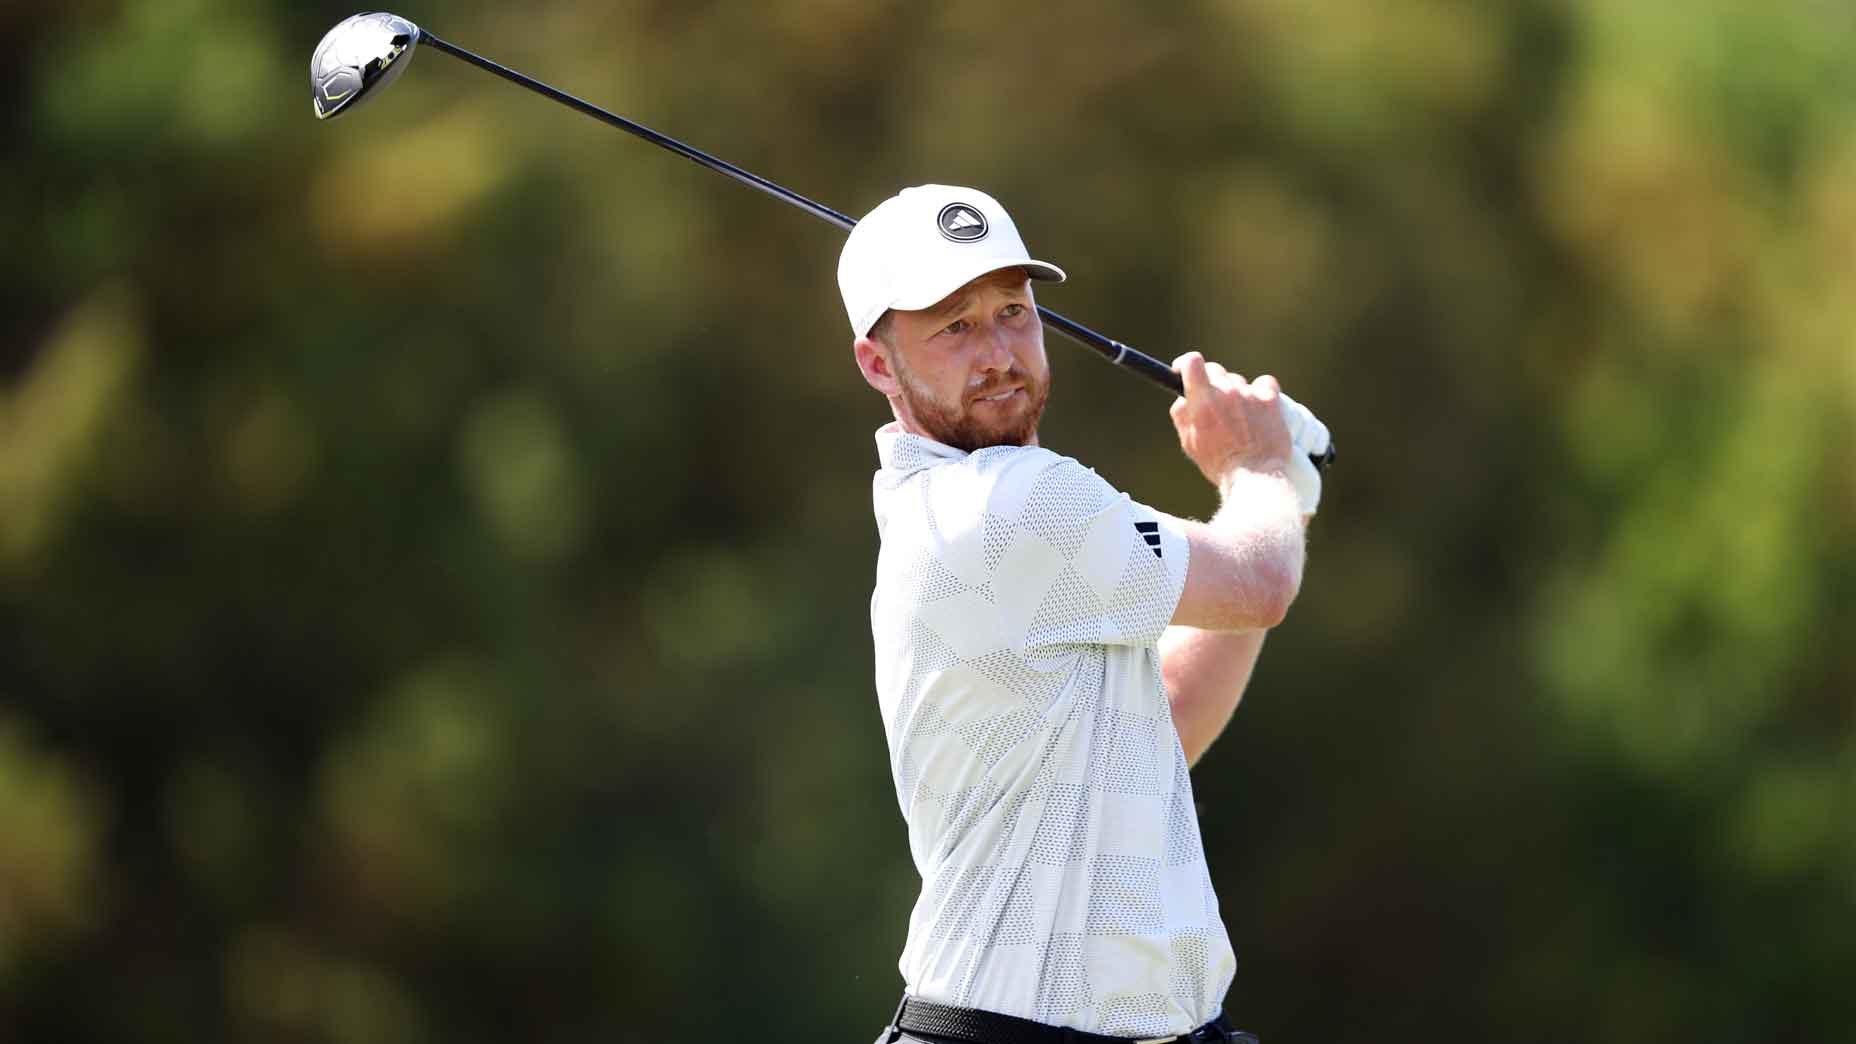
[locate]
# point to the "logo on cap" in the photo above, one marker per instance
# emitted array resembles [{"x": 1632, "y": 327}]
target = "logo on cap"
[{"x": 961, "y": 223}]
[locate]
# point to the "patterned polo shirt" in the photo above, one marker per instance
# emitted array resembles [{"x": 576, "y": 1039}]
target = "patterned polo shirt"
[{"x": 1018, "y": 601}]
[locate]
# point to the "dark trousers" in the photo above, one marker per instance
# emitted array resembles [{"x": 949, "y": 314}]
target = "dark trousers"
[
  {"x": 1237, "y": 1037},
  {"x": 940, "y": 1024}
]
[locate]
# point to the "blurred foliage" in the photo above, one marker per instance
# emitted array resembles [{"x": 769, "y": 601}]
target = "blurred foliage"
[{"x": 434, "y": 546}]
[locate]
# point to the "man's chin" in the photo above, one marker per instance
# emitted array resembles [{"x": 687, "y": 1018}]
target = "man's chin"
[
  {"x": 1008, "y": 422},
  {"x": 973, "y": 434}
]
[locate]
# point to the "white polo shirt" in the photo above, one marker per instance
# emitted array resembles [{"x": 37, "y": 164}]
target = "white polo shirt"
[{"x": 1018, "y": 599}]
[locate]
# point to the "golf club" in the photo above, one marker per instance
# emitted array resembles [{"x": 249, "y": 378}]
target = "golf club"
[{"x": 366, "y": 52}]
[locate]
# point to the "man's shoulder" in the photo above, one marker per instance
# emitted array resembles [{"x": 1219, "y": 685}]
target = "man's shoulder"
[
  {"x": 1000, "y": 486},
  {"x": 905, "y": 458},
  {"x": 997, "y": 480},
  {"x": 1000, "y": 465}
]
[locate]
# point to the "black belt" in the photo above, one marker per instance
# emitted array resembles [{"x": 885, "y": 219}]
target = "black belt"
[{"x": 989, "y": 1027}]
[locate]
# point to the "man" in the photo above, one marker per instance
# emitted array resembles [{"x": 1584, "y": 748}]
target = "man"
[{"x": 1052, "y": 656}]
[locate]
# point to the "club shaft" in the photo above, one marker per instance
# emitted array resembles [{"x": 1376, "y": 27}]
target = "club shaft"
[
  {"x": 1112, "y": 350},
  {"x": 698, "y": 156}
]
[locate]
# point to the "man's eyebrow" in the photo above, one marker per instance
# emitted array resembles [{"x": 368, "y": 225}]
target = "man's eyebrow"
[
  {"x": 954, "y": 305},
  {"x": 958, "y": 303},
  {"x": 1013, "y": 288}
]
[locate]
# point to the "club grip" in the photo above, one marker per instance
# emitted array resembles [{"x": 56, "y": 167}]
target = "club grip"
[{"x": 1154, "y": 370}]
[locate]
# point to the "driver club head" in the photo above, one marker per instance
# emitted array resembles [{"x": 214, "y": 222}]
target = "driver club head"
[{"x": 362, "y": 54}]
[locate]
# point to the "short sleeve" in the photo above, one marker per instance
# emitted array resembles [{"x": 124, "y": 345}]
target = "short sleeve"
[{"x": 1072, "y": 560}]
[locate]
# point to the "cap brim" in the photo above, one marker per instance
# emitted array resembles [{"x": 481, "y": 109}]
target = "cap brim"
[{"x": 1043, "y": 271}]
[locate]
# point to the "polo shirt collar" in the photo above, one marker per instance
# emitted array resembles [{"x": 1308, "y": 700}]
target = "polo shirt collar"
[{"x": 899, "y": 450}]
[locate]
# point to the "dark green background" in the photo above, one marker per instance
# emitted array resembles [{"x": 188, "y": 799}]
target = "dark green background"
[{"x": 435, "y": 545}]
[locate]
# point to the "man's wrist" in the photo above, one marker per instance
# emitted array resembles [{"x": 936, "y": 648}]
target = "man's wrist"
[{"x": 1253, "y": 480}]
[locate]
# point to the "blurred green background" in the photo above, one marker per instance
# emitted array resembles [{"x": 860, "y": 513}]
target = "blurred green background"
[{"x": 435, "y": 546}]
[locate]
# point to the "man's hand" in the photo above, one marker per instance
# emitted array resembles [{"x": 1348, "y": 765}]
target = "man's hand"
[{"x": 1227, "y": 425}]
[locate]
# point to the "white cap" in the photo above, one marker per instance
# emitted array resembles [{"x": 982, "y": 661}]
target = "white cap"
[{"x": 924, "y": 243}]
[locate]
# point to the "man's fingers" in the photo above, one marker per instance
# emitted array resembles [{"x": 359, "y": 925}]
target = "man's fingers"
[
  {"x": 1192, "y": 375},
  {"x": 1266, "y": 387}
]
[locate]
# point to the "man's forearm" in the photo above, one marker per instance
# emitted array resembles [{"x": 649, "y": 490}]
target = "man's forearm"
[
  {"x": 1246, "y": 562},
  {"x": 1206, "y": 673}
]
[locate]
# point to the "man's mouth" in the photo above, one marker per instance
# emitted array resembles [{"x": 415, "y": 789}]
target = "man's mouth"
[{"x": 997, "y": 396}]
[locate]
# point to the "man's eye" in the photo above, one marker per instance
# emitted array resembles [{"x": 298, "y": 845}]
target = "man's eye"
[
  {"x": 1012, "y": 311},
  {"x": 958, "y": 326}
]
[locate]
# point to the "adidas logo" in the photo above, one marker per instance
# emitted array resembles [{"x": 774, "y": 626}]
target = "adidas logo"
[
  {"x": 1150, "y": 532},
  {"x": 961, "y": 223}
]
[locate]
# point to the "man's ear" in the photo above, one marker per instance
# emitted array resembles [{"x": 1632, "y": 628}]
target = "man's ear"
[{"x": 873, "y": 360}]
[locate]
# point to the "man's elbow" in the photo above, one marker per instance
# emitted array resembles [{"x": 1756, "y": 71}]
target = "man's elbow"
[
  {"x": 1277, "y": 585},
  {"x": 1276, "y": 575}
]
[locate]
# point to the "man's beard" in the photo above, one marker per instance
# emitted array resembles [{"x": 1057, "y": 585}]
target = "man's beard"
[{"x": 958, "y": 426}]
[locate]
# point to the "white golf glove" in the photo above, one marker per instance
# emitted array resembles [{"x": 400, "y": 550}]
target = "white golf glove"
[{"x": 1309, "y": 436}]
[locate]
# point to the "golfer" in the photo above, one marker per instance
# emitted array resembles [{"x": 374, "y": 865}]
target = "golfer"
[{"x": 1051, "y": 656}]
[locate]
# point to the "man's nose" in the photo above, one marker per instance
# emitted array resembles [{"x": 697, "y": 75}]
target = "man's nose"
[{"x": 996, "y": 352}]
